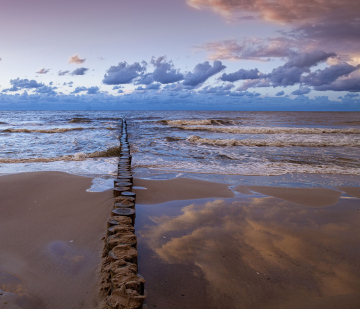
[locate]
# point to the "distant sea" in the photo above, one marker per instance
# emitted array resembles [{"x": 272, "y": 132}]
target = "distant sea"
[{"x": 210, "y": 145}]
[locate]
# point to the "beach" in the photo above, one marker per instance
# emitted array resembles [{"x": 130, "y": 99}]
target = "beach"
[
  {"x": 267, "y": 247},
  {"x": 233, "y": 210},
  {"x": 200, "y": 244},
  {"x": 51, "y": 240}
]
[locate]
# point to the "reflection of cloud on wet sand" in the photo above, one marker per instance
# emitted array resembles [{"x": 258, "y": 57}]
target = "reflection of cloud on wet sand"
[{"x": 257, "y": 252}]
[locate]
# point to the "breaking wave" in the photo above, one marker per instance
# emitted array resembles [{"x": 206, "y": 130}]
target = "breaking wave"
[
  {"x": 52, "y": 131},
  {"x": 80, "y": 120},
  {"x": 110, "y": 152},
  {"x": 57, "y": 130},
  {"x": 205, "y": 122},
  {"x": 327, "y": 142},
  {"x": 271, "y": 130}
]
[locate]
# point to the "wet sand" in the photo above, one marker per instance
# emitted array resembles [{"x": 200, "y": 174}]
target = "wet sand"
[
  {"x": 160, "y": 191},
  {"x": 283, "y": 248},
  {"x": 199, "y": 245},
  {"x": 50, "y": 244}
]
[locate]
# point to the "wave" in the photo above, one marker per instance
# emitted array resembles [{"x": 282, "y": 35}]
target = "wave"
[
  {"x": 330, "y": 142},
  {"x": 249, "y": 169},
  {"x": 52, "y": 131},
  {"x": 57, "y": 130},
  {"x": 172, "y": 139},
  {"x": 80, "y": 120},
  {"x": 195, "y": 122},
  {"x": 110, "y": 152},
  {"x": 271, "y": 130}
]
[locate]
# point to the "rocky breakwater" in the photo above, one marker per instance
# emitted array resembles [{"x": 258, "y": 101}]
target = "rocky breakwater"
[{"x": 121, "y": 285}]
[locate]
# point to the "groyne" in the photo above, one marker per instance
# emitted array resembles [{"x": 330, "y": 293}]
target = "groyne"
[{"x": 121, "y": 285}]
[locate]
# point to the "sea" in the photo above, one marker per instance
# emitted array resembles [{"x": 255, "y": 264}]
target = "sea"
[{"x": 261, "y": 148}]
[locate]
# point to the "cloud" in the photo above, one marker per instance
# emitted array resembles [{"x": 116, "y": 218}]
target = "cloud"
[
  {"x": 352, "y": 95},
  {"x": 76, "y": 60},
  {"x": 241, "y": 74},
  {"x": 347, "y": 84},
  {"x": 93, "y": 90},
  {"x": 280, "y": 93},
  {"x": 154, "y": 86},
  {"x": 90, "y": 90},
  {"x": 290, "y": 11},
  {"x": 164, "y": 72},
  {"x": 250, "y": 49},
  {"x": 301, "y": 91},
  {"x": 123, "y": 73},
  {"x": 254, "y": 83},
  {"x": 330, "y": 25},
  {"x": 202, "y": 72},
  {"x": 18, "y": 84},
  {"x": 290, "y": 73},
  {"x": 79, "y": 89},
  {"x": 219, "y": 90},
  {"x": 46, "y": 90},
  {"x": 62, "y": 73},
  {"x": 43, "y": 71},
  {"x": 79, "y": 71},
  {"x": 40, "y": 88},
  {"x": 329, "y": 75}
]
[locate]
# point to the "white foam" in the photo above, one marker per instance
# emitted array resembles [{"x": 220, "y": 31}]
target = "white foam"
[
  {"x": 283, "y": 141},
  {"x": 270, "y": 130}
]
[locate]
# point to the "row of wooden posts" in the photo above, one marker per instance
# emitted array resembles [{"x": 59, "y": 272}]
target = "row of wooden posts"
[{"x": 122, "y": 286}]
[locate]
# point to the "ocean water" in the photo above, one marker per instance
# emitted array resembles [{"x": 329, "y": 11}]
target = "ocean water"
[{"x": 209, "y": 145}]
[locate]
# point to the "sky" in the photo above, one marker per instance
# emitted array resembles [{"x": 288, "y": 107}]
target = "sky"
[{"x": 180, "y": 54}]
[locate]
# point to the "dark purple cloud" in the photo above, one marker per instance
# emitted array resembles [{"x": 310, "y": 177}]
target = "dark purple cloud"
[
  {"x": 164, "y": 72},
  {"x": 123, "y": 73},
  {"x": 45, "y": 90},
  {"x": 280, "y": 93},
  {"x": 18, "y": 84},
  {"x": 240, "y": 75},
  {"x": 202, "y": 72},
  {"x": 154, "y": 86},
  {"x": 40, "y": 88},
  {"x": 301, "y": 91},
  {"x": 145, "y": 79},
  {"x": 79, "y": 89},
  {"x": 79, "y": 71},
  {"x": 290, "y": 73},
  {"x": 329, "y": 75},
  {"x": 347, "y": 84},
  {"x": 93, "y": 90}
]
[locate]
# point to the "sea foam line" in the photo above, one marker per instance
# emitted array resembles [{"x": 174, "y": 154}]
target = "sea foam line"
[
  {"x": 270, "y": 130},
  {"x": 340, "y": 142}
]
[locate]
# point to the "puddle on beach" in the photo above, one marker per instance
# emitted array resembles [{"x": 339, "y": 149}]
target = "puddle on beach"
[
  {"x": 250, "y": 252},
  {"x": 67, "y": 257},
  {"x": 13, "y": 294}
]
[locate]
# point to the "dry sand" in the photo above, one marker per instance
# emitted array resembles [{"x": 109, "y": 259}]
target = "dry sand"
[{"x": 50, "y": 244}]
